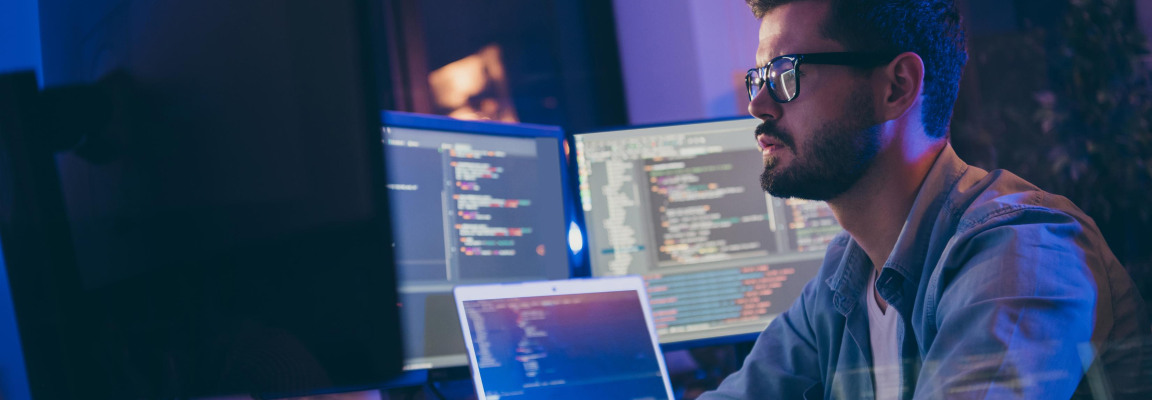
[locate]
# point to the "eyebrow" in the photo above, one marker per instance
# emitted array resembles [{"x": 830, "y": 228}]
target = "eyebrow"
[
  {"x": 759, "y": 65},
  {"x": 765, "y": 64},
  {"x": 774, "y": 55}
]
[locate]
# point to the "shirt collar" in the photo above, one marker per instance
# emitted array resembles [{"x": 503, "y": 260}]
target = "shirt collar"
[{"x": 911, "y": 248}]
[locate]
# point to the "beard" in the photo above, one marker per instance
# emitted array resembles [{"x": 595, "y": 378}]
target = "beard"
[{"x": 831, "y": 162}]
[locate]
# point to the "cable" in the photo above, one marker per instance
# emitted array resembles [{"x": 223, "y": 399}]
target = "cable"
[{"x": 435, "y": 390}]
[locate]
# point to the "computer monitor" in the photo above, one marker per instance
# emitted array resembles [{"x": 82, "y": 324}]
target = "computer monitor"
[
  {"x": 682, "y": 206},
  {"x": 473, "y": 202},
  {"x": 223, "y": 226}
]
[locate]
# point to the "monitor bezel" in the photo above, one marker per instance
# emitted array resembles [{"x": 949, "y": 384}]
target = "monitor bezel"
[{"x": 572, "y": 211}]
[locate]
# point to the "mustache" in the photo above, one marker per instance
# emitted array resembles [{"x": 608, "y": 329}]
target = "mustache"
[{"x": 769, "y": 128}]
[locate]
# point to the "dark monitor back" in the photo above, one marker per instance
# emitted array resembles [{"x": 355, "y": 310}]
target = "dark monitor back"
[{"x": 235, "y": 237}]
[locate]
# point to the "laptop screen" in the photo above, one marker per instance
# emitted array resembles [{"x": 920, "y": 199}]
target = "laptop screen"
[{"x": 576, "y": 346}]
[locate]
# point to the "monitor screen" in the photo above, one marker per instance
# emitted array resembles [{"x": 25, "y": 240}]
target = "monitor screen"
[
  {"x": 576, "y": 346},
  {"x": 470, "y": 205},
  {"x": 682, "y": 206}
]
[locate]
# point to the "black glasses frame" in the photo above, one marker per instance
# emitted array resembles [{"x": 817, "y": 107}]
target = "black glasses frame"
[{"x": 851, "y": 59}]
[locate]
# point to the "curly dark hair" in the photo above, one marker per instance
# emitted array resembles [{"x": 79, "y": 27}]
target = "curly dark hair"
[{"x": 930, "y": 28}]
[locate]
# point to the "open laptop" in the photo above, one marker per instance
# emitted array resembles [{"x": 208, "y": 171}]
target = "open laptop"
[{"x": 574, "y": 339}]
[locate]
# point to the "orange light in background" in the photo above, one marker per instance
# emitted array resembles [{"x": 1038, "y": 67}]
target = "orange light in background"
[{"x": 474, "y": 87}]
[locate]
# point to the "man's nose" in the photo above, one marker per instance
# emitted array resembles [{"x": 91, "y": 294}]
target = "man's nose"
[{"x": 764, "y": 107}]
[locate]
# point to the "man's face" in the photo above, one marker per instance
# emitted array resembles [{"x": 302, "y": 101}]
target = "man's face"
[{"x": 818, "y": 145}]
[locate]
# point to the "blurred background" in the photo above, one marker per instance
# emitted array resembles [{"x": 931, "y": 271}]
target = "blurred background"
[{"x": 1056, "y": 91}]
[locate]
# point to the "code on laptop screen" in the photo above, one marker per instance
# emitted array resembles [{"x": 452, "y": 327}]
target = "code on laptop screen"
[{"x": 583, "y": 346}]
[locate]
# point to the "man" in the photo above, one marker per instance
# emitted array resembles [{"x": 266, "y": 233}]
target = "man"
[{"x": 950, "y": 281}]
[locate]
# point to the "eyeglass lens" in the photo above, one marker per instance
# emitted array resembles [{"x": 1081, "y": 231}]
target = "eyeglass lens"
[
  {"x": 754, "y": 82},
  {"x": 783, "y": 83},
  {"x": 782, "y": 80}
]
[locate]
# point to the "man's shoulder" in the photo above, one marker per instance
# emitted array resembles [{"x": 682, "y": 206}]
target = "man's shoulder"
[
  {"x": 1004, "y": 221},
  {"x": 1008, "y": 228},
  {"x": 1001, "y": 199}
]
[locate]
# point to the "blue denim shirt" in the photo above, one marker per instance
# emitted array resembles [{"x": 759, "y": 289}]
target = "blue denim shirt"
[{"x": 1003, "y": 291}]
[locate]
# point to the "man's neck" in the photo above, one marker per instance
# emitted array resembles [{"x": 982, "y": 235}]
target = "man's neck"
[{"x": 873, "y": 211}]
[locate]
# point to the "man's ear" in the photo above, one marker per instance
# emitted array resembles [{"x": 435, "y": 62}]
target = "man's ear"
[{"x": 903, "y": 82}]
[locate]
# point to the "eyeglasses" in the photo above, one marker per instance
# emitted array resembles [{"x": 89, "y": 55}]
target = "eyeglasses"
[{"x": 783, "y": 78}]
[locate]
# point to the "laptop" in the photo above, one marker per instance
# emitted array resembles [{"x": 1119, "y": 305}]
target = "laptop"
[{"x": 574, "y": 339}]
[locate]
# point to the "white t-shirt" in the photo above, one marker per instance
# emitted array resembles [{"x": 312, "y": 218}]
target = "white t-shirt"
[{"x": 885, "y": 345}]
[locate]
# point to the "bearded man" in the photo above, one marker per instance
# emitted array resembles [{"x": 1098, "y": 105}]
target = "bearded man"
[{"x": 949, "y": 281}]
